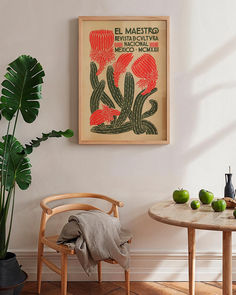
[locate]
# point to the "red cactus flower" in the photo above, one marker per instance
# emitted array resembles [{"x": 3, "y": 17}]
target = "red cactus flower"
[
  {"x": 145, "y": 68},
  {"x": 120, "y": 66},
  {"x": 105, "y": 115},
  {"x": 102, "y": 50}
]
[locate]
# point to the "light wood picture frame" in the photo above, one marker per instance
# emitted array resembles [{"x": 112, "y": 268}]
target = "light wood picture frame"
[{"x": 124, "y": 80}]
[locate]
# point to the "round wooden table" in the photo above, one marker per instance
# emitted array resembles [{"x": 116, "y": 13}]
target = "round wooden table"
[{"x": 203, "y": 218}]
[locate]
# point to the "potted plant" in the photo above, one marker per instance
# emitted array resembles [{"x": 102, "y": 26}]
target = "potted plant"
[{"x": 21, "y": 92}]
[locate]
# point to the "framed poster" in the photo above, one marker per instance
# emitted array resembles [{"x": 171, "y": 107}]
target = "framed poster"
[{"x": 123, "y": 80}]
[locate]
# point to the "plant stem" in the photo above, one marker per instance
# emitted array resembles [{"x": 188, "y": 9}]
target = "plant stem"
[
  {"x": 6, "y": 203},
  {"x": 2, "y": 197},
  {"x": 10, "y": 146},
  {"x": 12, "y": 210},
  {"x": 14, "y": 128}
]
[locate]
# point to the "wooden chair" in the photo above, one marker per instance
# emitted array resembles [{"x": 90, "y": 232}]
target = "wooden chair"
[{"x": 47, "y": 213}]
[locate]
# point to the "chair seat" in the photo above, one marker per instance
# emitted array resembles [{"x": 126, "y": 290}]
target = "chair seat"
[{"x": 52, "y": 243}]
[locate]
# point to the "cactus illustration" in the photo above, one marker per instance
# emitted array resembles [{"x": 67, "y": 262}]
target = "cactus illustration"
[
  {"x": 102, "y": 50},
  {"x": 115, "y": 91},
  {"x": 94, "y": 83},
  {"x": 152, "y": 110},
  {"x": 149, "y": 127},
  {"x": 96, "y": 96},
  {"x": 113, "y": 130},
  {"x": 128, "y": 99},
  {"x": 121, "y": 112},
  {"x": 137, "y": 111},
  {"x": 145, "y": 68},
  {"x": 121, "y": 65}
]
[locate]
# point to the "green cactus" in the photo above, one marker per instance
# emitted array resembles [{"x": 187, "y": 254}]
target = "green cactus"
[
  {"x": 94, "y": 83},
  {"x": 137, "y": 111},
  {"x": 131, "y": 114},
  {"x": 149, "y": 127},
  {"x": 114, "y": 121},
  {"x": 128, "y": 99},
  {"x": 152, "y": 110},
  {"x": 108, "y": 129},
  {"x": 115, "y": 91},
  {"x": 96, "y": 96}
]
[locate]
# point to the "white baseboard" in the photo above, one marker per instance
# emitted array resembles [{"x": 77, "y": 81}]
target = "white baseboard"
[{"x": 145, "y": 266}]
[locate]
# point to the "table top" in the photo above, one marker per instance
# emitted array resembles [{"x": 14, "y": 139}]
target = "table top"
[{"x": 203, "y": 218}]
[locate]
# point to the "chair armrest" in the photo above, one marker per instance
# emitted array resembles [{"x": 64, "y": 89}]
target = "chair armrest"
[
  {"x": 45, "y": 208},
  {"x": 49, "y": 211},
  {"x": 113, "y": 201},
  {"x": 120, "y": 204}
]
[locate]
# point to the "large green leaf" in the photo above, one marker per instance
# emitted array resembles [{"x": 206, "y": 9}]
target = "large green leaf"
[
  {"x": 36, "y": 142},
  {"x": 15, "y": 165},
  {"x": 22, "y": 88}
]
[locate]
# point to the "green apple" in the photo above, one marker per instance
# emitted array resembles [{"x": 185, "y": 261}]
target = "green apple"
[
  {"x": 205, "y": 196},
  {"x": 218, "y": 205},
  {"x": 234, "y": 213},
  {"x": 181, "y": 196},
  {"x": 195, "y": 204}
]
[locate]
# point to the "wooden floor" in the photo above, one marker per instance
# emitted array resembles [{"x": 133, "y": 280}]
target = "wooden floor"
[{"x": 118, "y": 288}]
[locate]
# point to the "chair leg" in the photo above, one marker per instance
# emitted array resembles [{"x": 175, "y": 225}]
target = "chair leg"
[
  {"x": 63, "y": 274},
  {"x": 99, "y": 271},
  {"x": 39, "y": 267},
  {"x": 127, "y": 282}
]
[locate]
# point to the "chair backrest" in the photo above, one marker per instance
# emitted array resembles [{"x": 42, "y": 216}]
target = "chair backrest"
[{"x": 48, "y": 212}]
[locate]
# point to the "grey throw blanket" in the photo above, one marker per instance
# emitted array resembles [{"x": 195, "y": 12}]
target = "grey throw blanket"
[{"x": 96, "y": 236}]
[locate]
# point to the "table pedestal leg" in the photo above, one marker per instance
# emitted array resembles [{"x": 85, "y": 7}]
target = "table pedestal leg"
[
  {"x": 191, "y": 260},
  {"x": 227, "y": 263}
]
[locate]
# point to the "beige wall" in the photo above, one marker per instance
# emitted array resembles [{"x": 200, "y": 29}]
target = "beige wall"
[{"x": 203, "y": 117}]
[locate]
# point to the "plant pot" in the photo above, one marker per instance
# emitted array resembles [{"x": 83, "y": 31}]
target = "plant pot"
[{"x": 12, "y": 277}]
